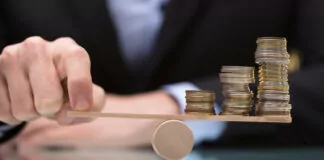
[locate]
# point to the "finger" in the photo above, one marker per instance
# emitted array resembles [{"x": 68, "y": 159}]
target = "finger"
[
  {"x": 5, "y": 105},
  {"x": 99, "y": 103},
  {"x": 44, "y": 80},
  {"x": 5, "y": 112},
  {"x": 18, "y": 85},
  {"x": 73, "y": 63}
]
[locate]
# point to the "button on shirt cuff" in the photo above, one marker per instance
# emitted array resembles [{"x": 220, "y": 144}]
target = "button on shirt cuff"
[{"x": 202, "y": 130}]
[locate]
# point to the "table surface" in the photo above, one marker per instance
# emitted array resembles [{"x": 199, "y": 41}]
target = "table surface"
[{"x": 314, "y": 153}]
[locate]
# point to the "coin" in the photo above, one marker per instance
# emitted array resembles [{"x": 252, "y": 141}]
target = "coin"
[
  {"x": 200, "y": 101},
  {"x": 235, "y": 84},
  {"x": 234, "y": 75},
  {"x": 273, "y": 88},
  {"x": 274, "y": 113},
  {"x": 235, "y": 69},
  {"x": 237, "y": 80},
  {"x": 273, "y": 79},
  {"x": 272, "y": 92},
  {"x": 238, "y": 104},
  {"x": 275, "y": 97},
  {"x": 279, "y": 88}
]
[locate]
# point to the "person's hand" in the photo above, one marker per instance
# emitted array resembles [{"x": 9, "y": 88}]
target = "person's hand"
[
  {"x": 31, "y": 76},
  {"x": 103, "y": 132}
]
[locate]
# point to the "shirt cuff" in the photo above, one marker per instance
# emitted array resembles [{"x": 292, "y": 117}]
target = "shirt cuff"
[{"x": 202, "y": 130}]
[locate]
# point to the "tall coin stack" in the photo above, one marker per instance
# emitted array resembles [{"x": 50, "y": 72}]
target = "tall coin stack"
[
  {"x": 235, "y": 83},
  {"x": 273, "y": 89},
  {"x": 200, "y": 102}
]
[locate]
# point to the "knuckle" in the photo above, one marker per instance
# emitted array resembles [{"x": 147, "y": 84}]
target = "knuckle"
[
  {"x": 66, "y": 39},
  {"x": 34, "y": 41},
  {"x": 35, "y": 47},
  {"x": 8, "y": 52},
  {"x": 48, "y": 106},
  {"x": 78, "y": 53},
  {"x": 8, "y": 56}
]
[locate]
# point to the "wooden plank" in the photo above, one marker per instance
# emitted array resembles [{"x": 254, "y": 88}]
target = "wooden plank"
[{"x": 229, "y": 118}]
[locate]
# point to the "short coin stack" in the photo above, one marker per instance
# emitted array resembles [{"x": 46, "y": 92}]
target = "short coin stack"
[
  {"x": 235, "y": 83},
  {"x": 273, "y": 89},
  {"x": 200, "y": 102}
]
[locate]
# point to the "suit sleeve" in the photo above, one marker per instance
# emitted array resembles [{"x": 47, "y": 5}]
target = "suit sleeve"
[
  {"x": 306, "y": 84},
  {"x": 2, "y": 28}
]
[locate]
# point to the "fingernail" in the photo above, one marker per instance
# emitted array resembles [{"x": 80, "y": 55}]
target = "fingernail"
[{"x": 82, "y": 104}]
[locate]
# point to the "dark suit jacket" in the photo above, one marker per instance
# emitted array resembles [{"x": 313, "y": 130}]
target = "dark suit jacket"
[{"x": 196, "y": 39}]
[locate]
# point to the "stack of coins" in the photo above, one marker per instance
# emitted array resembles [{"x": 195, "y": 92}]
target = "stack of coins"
[
  {"x": 273, "y": 89},
  {"x": 235, "y": 85},
  {"x": 200, "y": 102}
]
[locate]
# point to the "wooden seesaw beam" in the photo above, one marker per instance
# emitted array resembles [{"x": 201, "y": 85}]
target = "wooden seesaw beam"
[{"x": 228, "y": 118}]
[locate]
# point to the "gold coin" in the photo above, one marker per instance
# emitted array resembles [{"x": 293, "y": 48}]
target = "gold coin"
[
  {"x": 240, "y": 69},
  {"x": 210, "y": 112},
  {"x": 200, "y": 93},
  {"x": 237, "y": 80},
  {"x": 274, "y": 79},
  {"x": 235, "y": 112},
  {"x": 200, "y": 113},
  {"x": 235, "y": 75},
  {"x": 272, "y": 66},
  {"x": 273, "y": 75},
  {"x": 281, "y": 97},
  {"x": 272, "y": 92},
  {"x": 191, "y": 103},
  {"x": 272, "y": 60},
  {"x": 273, "y": 113},
  {"x": 237, "y": 103},
  {"x": 200, "y": 99},
  {"x": 279, "y": 88},
  {"x": 272, "y": 104}
]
